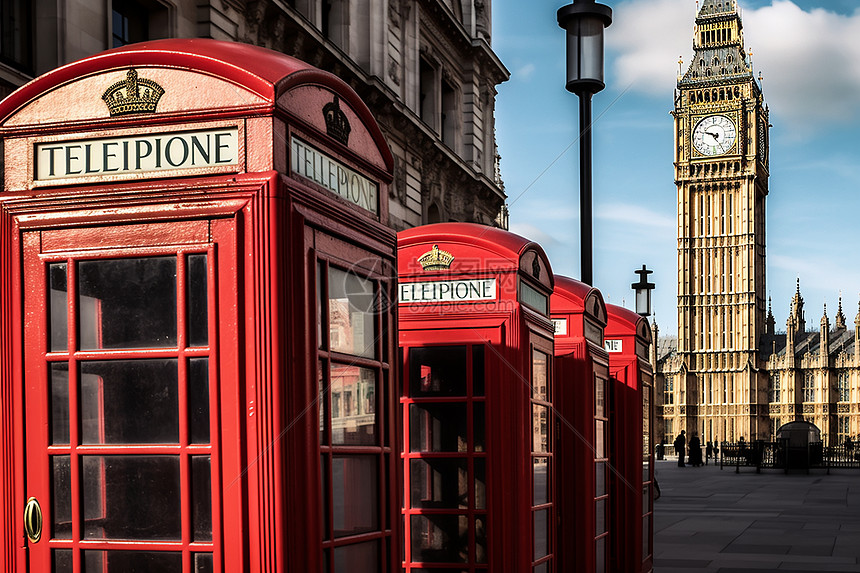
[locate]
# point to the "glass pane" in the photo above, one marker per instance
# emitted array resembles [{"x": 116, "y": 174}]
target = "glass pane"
[
  {"x": 198, "y": 400},
  {"x": 127, "y": 303},
  {"x": 600, "y": 509},
  {"x": 353, "y": 405},
  {"x": 600, "y": 550},
  {"x": 61, "y": 497},
  {"x": 437, "y": 371},
  {"x": 540, "y": 428},
  {"x": 355, "y": 491},
  {"x": 129, "y": 402},
  {"x": 319, "y": 304},
  {"x": 480, "y": 540},
  {"x": 540, "y": 471},
  {"x": 198, "y": 315},
  {"x": 62, "y": 559},
  {"x": 477, "y": 370},
  {"x": 60, "y": 403},
  {"x": 322, "y": 401},
  {"x": 480, "y": 483},
  {"x": 437, "y": 428},
  {"x": 646, "y": 498},
  {"x": 439, "y": 539},
  {"x": 59, "y": 307},
  {"x": 646, "y": 537},
  {"x": 203, "y": 563},
  {"x": 599, "y": 479},
  {"x": 125, "y": 561},
  {"x": 599, "y": 397},
  {"x": 131, "y": 497},
  {"x": 351, "y": 314},
  {"x": 358, "y": 558},
  {"x": 542, "y": 568},
  {"x": 599, "y": 439},
  {"x": 479, "y": 426},
  {"x": 439, "y": 483},
  {"x": 541, "y": 533},
  {"x": 540, "y": 376},
  {"x": 201, "y": 498},
  {"x": 324, "y": 497}
]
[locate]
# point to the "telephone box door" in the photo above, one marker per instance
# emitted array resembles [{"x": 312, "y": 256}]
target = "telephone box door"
[{"x": 121, "y": 400}]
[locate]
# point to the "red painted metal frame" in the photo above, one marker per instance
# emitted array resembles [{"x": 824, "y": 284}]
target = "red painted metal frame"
[
  {"x": 580, "y": 361},
  {"x": 64, "y": 245},
  {"x": 508, "y": 329},
  {"x": 267, "y": 228},
  {"x": 631, "y": 453}
]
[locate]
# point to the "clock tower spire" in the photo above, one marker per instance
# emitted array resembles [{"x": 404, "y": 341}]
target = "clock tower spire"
[{"x": 721, "y": 174}]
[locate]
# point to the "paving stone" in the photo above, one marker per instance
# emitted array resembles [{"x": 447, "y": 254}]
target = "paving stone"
[{"x": 720, "y": 521}]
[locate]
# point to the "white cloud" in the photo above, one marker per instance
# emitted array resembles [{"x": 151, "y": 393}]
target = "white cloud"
[
  {"x": 533, "y": 233},
  {"x": 647, "y": 38},
  {"x": 810, "y": 60},
  {"x": 524, "y": 72},
  {"x": 634, "y": 215}
]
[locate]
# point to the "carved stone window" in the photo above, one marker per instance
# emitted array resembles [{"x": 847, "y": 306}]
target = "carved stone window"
[{"x": 138, "y": 20}]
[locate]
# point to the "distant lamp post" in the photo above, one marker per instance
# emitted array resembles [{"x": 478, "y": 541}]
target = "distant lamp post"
[
  {"x": 643, "y": 292},
  {"x": 584, "y": 21}
]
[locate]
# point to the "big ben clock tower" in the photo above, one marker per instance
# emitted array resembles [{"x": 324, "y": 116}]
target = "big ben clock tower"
[{"x": 721, "y": 171}]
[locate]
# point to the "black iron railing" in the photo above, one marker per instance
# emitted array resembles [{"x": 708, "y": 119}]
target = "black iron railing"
[{"x": 781, "y": 455}]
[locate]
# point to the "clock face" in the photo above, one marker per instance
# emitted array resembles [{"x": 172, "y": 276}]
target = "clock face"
[{"x": 714, "y": 135}]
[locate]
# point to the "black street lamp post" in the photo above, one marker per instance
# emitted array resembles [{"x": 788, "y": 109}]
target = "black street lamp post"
[
  {"x": 584, "y": 21},
  {"x": 643, "y": 292}
]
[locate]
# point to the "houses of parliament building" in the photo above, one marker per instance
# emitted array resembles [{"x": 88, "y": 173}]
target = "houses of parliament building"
[{"x": 731, "y": 374}]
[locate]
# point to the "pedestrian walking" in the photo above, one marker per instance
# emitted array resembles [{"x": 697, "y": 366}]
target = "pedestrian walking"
[
  {"x": 709, "y": 451},
  {"x": 681, "y": 447}
]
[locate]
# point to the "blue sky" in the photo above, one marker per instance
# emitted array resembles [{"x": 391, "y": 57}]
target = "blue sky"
[{"x": 808, "y": 52}]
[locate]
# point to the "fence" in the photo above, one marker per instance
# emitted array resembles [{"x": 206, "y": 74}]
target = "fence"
[{"x": 781, "y": 455}]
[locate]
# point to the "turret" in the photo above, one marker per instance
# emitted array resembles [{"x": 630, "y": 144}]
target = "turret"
[
  {"x": 824, "y": 347},
  {"x": 790, "y": 332},
  {"x": 770, "y": 323},
  {"x": 857, "y": 336},
  {"x": 652, "y": 355},
  {"x": 840, "y": 318},
  {"x": 797, "y": 311}
]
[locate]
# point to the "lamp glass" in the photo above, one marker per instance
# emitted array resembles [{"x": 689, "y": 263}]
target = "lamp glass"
[
  {"x": 585, "y": 49},
  {"x": 643, "y": 301}
]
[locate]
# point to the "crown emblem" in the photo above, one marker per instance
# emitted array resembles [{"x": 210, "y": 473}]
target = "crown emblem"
[
  {"x": 132, "y": 95},
  {"x": 436, "y": 260},
  {"x": 336, "y": 124}
]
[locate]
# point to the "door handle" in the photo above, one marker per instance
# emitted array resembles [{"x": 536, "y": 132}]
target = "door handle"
[{"x": 33, "y": 520}]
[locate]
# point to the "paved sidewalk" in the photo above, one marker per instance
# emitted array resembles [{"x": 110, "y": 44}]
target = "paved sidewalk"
[{"x": 709, "y": 519}]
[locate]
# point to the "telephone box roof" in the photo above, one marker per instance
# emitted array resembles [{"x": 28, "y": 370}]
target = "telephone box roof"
[
  {"x": 491, "y": 239},
  {"x": 573, "y": 296},
  {"x": 624, "y": 322},
  {"x": 264, "y": 72}
]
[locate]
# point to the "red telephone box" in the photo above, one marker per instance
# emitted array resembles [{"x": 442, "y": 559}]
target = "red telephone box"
[
  {"x": 582, "y": 445},
  {"x": 627, "y": 340},
  {"x": 196, "y": 355},
  {"x": 477, "y": 397}
]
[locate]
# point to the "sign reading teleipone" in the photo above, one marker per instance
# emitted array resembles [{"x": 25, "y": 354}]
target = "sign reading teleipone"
[{"x": 170, "y": 151}]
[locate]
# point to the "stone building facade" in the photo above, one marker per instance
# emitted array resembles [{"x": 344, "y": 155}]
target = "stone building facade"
[
  {"x": 729, "y": 374},
  {"x": 424, "y": 67}
]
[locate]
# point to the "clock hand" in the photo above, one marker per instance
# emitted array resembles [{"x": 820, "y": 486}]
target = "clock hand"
[{"x": 716, "y": 136}]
